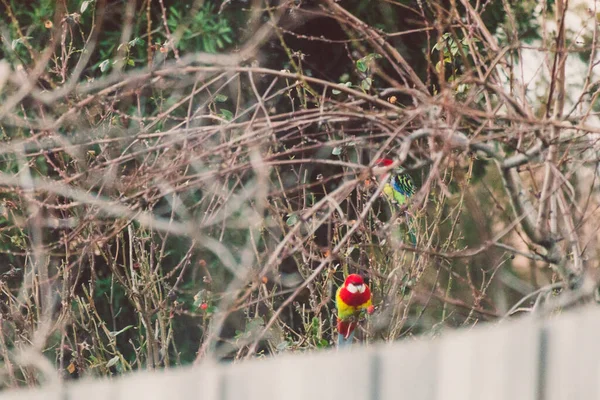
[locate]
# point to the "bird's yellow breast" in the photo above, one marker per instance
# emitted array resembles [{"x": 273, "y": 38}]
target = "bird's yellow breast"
[
  {"x": 388, "y": 191},
  {"x": 345, "y": 311}
]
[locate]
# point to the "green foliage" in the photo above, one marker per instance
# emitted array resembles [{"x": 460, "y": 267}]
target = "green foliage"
[
  {"x": 207, "y": 30},
  {"x": 454, "y": 53},
  {"x": 363, "y": 64}
]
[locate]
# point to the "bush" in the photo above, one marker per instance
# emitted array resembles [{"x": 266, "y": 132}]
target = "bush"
[{"x": 182, "y": 180}]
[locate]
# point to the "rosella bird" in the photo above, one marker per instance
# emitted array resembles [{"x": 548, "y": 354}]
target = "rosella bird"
[
  {"x": 398, "y": 189},
  {"x": 353, "y": 300}
]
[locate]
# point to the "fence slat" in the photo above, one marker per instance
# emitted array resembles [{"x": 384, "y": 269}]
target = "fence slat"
[
  {"x": 408, "y": 370},
  {"x": 497, "y": 362},
  {"x": 92, "y": 389},
  {"x": 190, "y": 383},
  {"x": 47, "y": 393},
  {"x": 328, "y": 375},
  {"x": 182, "y": 383},
  {"x": 572, "y": 355}
]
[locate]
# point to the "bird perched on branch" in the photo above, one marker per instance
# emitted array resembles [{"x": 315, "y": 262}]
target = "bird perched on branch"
[
  {"x": 352, "y": 300},
  {"x": 399, "y": 189}
]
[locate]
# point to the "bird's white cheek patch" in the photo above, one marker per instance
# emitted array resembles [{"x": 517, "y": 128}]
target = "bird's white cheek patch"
[
  {"x": 361, "y": 288},
  {"x": 351, "y": 288}
]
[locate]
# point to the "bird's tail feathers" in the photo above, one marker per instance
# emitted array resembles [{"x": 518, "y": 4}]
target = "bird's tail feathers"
[
  {"x": 345, "y": 332},
  {"x": 344, "y": 341}
]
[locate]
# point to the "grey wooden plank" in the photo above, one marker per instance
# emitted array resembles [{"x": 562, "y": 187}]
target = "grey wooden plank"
[
  {"x": 508, "y": 361},
  {"x": 408, "y": 370},
  {"x": 92, "y": 389},
  {"x": 203, "y": 382},
  {"x": 49, "y": 393},
  {"x": 572, "y": 356},
  {"x": 496, "y": 362},
  {"x": 325, "y": 375},
  {"x": 182, "y": 383}
]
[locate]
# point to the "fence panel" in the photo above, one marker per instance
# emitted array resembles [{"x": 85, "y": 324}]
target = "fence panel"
[
  {"x": 408, "y": 370},
  {"x": 181, "y": 383},
  {"x": 572, "y": 356},
  {"x": 94, "y": 389},
  {"x": 526, "y": 359},
  {"x": 497, "y": 362},
  {"x": 327, "y": 375},
  {"x": 48, "y": 393}
]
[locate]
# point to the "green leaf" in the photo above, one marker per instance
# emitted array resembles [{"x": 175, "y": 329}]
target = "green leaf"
[
  {"x": 104, "y": 65},
  {"x": 199, "y": 298},
  {"x": 19, "y": 41},
  {"x": 453, "y": 48},
  {"x": 336, "y": 151},
  {"x": 115, "y": 334},
  {"x": 112, "y": 361},
  {"x": 135, "y": 42},
  {"x": 335, "y": 91},
  {"x": 361, "y": 65},
  {"x": 366, "y": 83},
  {"x": 226, "y": 114},
  {"x": 441, "y": 42},
  {"x": 220, "y": 98},
  {"x": 291, "y": 220},
  {"x": 314, "y": 325},
  {"x": 84, "y": 6},
  {"x": 438, "y": 67}
]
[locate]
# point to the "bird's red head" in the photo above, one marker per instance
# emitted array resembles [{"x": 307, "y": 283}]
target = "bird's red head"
[
  {"x": 384, "y": 162},
  {"x": 354, "y": 279},
  {"x": 355, "y": 291}
]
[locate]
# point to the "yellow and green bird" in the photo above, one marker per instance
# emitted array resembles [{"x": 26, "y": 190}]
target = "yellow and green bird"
[
  {"x": 352, "y": 300},
  {"x": 399, "y": 189}
]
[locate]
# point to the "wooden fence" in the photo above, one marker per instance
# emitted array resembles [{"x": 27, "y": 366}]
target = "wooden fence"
[{"x": 528, "y": 359}]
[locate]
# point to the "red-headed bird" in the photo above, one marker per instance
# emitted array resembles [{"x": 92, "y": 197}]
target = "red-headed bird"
[
  {"x": 400, "y": 186},
  {"x": 398, "y": 189},
  {"x": 352, "y": 300}
]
